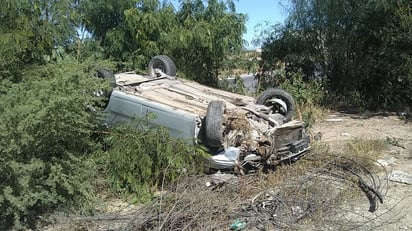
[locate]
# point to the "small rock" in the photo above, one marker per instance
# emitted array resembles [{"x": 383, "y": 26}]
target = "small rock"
[
  {"x": 400, "y": 176},
  {"x": 393, "y": 152},
  {"x": 345, "y": 134},
  {"x": 318, "y": 136},
  {"x": 384, "y": 163},
  {"x": 221, "y": 178},
  {"x": 334, "y": 120},
  {"x": 333, "y": 115},
  {"x": 296, "y": 211}
]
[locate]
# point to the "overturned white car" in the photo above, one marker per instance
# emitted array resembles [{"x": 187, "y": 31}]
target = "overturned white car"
[{"x": 240, "y": 132}]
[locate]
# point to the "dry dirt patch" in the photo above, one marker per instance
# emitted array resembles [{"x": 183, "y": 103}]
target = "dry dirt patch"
[{"x": 338, "y": 128}]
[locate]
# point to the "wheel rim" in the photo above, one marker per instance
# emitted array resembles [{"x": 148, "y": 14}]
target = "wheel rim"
[
  {"x": 159, "y": 66},
  {"x": 277, "y": 105}
]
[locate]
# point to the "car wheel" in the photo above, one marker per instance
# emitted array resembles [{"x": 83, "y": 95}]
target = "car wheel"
[
  {"x": 106, "y": 74},
  {"x": 214, "y": 123},
  {"x": 277, "y": 99},
  {"x": 164, "y": 63},
  {"x": 109, "y": 80}
]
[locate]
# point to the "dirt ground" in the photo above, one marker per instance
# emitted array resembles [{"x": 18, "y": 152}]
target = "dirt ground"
[
  {"x": 334, "y": 130},
  {"x": 337, "y": 128}
]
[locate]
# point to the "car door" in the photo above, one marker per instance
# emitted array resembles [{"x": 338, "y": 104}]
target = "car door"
[{"x": 124, "y": 107}]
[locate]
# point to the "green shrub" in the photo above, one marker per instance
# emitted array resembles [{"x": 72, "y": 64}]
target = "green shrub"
[
  {"x": 141, "y": 158},
  {"x": 237, "y": 86},
  {"x": 45, "y": 143}
]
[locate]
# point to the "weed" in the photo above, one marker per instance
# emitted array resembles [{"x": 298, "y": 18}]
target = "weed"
[
  {"x": 364, "y": 150},
  {"x": 393, "y": 141}
]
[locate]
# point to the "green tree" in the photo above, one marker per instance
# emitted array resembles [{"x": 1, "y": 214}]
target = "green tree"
[
  {"x": 206, "y": 34},
  {"x": 102, "y": 16},
  {"x": 359, "y": 47},
  {"x": 129, "y": 31},
  {"x": 198, "y": 36},
  {"x": 31, "y": 30},
  {"x": 148, "y": 24}
]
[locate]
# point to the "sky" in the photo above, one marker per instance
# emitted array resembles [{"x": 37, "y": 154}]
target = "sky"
[{"x": 259, "y": 11}]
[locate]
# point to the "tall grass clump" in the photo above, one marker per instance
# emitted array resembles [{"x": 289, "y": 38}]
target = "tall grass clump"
[{"x": 142, "y": 158}]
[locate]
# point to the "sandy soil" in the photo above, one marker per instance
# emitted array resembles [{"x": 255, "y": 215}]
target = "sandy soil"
[{"x": 396, "y": 211}]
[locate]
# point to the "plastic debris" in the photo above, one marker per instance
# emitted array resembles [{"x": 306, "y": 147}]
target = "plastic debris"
[
  {"x": 226, "y": 159},
  {"x": 232, "y": 153},
  {"x": 400, "y": 176},
  {"x": 385, "y": 163},
  {"x": 334, "y": 120},
  {"x": 238, "y": 225}
]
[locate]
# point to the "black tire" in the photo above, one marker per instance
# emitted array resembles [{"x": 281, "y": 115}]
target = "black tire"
[
  {"x": 276, "y": 93},
  {"x": 214, "y": 123},
  {"x": 163, "y": 63},
  {"x": 104, "y": 73},
  {"x": 110, "y": 81}
]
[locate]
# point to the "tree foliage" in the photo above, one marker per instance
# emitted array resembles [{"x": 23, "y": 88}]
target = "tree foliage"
[
  {"x": 31, "y": 30},
  {"x": 359, "y": 47},
  {"x": 45, "y": 142},
  {"x": 198, "y": 35},
  {"x": 206, "y": 35}
]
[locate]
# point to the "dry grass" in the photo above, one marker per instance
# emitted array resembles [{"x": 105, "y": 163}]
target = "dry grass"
[
  {"x": 193, "y": 206},
  {"x": 361, "y": 148},
  {"x": 310, "y": 112},
  {"x": 321, "y": 191},
  {"x": 311, "y": 193}
]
